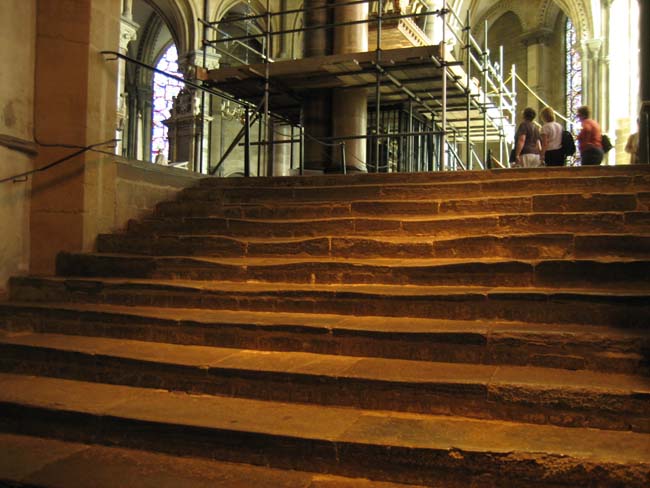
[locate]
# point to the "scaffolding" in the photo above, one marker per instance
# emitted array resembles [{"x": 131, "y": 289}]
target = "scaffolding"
[{"x": 430, "y": 107}]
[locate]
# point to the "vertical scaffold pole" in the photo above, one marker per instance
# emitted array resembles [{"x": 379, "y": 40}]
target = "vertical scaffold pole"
[
  {"x": 380, "y": 8},
  {"x": 301, "y": 144},
  {"x": 501, "y": 87},
  {"x": 199, "y": 157},
  {"x": 513, "y": 81},
  {"x": 443, "y": 49},
  {"x": 485, "y": 89},
  {"x": 291, "y": 150},
  {"x": 247, "y": 143},
  {"x": 468, "y": 133},
  {"x": 268, "y": 133}
]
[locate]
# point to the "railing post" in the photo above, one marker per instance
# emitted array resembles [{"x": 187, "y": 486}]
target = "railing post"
[
  {"x": 343, "y": 165},
  {"x": 247, "y": 143}
]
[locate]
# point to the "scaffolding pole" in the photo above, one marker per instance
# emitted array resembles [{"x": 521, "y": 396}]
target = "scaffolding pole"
[
  {"x": 380, "y": 8},
  {"x": 485, "y": 89},
  {"x": 468, "y": 90},
  {"x": 443, "y": 48}
]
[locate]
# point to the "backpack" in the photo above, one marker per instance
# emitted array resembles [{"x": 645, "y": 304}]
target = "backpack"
[
  {"x": 607, "y": 144},
  {"x": 568, "y": 144}
]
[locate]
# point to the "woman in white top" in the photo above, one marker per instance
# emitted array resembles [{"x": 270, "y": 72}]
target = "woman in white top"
[{"x": 552, "y": 152}]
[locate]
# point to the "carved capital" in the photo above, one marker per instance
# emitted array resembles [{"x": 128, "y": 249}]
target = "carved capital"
[
  {"x": 537, "y": 36},
  {"x": 592, "y": 48},
  {"x": 188, "y": 62},
  {"x": 128, "y": 33}
]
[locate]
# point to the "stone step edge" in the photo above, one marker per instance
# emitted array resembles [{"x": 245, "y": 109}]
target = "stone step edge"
[
  {"x": 422, "y": 179},
  {"x": 326, "y": 323},
  {"x": 207, "y": 359},
  {"x": 335, "y": 440},
  {"x": 481, "y": 175},
  {"x": 582, "y": 347},
  {"x": 411, "y": 219},
  {"x": 390, "y": 262},
  {"x": 574, "y": 273},
  {"x": 606, "y": 306},
  {"x": 603, "y": 193},
  {"x": 574, "y": 399},
  {"x": 350, "y": 290},
  {"x": 50, "y": 463}
]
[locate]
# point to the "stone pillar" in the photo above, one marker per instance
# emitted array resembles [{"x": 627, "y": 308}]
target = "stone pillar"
[
  {"x": 644, "y": 88},
  {"x": 128, "y": 33},
  {"x": 316, "y": 109},
  {"x": 592, "y": 75},
  {"x": 282, "y": 156},
  {"x": 350, "y": 106},
  {"x": 537, "y": 53},
  {"x": 74, "y": 97},
  {"x": 603, "y": 68},
  {"x": 433, "y": 23}
]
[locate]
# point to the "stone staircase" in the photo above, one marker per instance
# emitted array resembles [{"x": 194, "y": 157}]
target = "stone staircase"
[{"x": 455, "y": 329}]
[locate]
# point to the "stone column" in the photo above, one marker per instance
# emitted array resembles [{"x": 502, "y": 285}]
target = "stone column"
[
  {"x": 128, "y": 33},
  {"x": 536, "y": 43},
  {"x": 433, "y": 23},
  {"x": 316, "y": 109},
  {"x": 350, "y": 106},
  {"x": 603, "y": 68},
  {"x": 74, "y": 99},
  {"x": 592, "y": 75},
  {"x": 644, "y": 75},
  {"x": 282, "y": 151}
]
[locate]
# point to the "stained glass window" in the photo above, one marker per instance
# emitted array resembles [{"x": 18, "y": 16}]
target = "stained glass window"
[
  {"x": 164, "y": 91},
  {"x": 573, "y": 64}
]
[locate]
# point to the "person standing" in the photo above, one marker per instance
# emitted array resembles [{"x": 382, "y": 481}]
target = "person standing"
[
  {"x": 632, "y": 146},
  {"x": 528, "y": 143},
  {"x": 589, "y": 138},
  {"x": 552, "y": 151}
]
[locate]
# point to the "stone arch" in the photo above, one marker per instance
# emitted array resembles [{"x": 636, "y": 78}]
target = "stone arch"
[
  {"x": 257, "y": 7},
  {"x": 579, "y": 11},
  {"x": 494, "y": 13},
  {"x": 182, "y": 20}
]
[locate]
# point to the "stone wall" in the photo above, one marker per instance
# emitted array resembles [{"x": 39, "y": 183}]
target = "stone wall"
[
  {"x": 126, "y": 190},
  {"x": 17, "y": 34}
]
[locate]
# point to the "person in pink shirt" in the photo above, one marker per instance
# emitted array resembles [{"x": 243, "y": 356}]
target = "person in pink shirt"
[{"x": 589, "y": 139}]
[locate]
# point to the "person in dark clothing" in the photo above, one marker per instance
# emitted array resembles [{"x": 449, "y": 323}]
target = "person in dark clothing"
[
  {"x": 527, "y": 141},
  {"x": 589, "y": 139}
]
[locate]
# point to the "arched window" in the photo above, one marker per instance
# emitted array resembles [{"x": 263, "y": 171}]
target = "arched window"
[
  {"x": 573, "y": 64},
  {"x": 164, "y": 91}
]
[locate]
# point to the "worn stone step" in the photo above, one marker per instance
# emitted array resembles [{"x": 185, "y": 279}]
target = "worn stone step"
[
  {"x": 52, "y": 463},
  {"x": 526, "y": 394},
  {"x": 419, "y": 191},
  {"x": 576, "y": 202},
  {"x": 390, "y": 192},
  {"x": 613, "y": 307},
  {"x": 526, "y": 246},
  {"x": 406, "y": 448},
  {"x": 574, "y": 347},
  {"x": 604, "y": 274},
  {"x": 509, "y": 224},
  {"x": 428, "y": 177}
]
